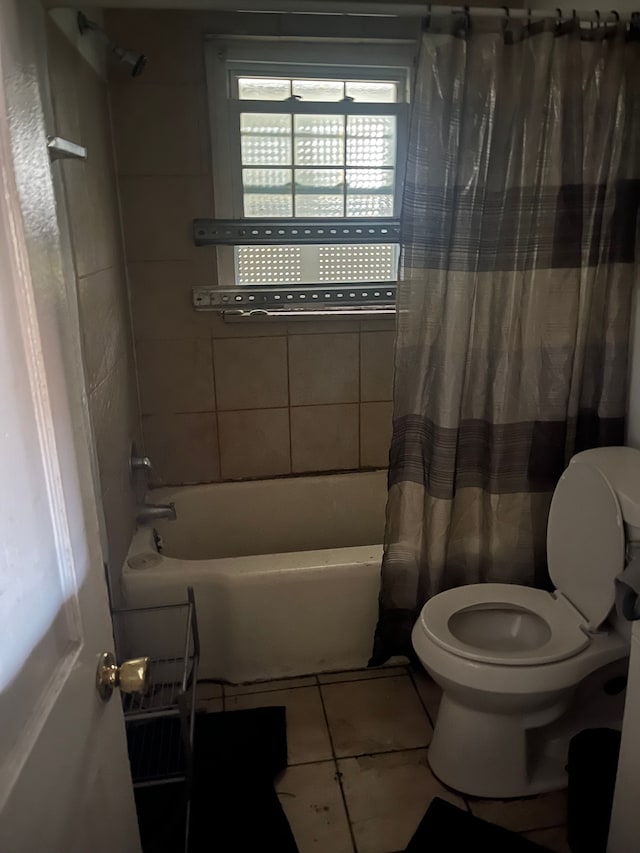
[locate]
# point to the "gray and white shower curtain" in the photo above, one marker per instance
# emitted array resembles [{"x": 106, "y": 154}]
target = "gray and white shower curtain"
[{"x": 514, "y": 299}]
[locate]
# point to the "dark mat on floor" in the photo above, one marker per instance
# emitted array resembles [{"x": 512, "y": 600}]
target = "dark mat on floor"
[
  {"x": 445, "y": 828},
  {"x": 234, "y": 806}
]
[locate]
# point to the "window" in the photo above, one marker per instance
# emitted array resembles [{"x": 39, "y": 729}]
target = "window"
[{"x": 308, "y": 140}]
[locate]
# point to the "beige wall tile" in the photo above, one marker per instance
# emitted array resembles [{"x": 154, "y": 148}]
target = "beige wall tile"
[
  {"x": 175, "y": 376},
  {"x": 105, "y": 322},
  {"x": 323, "y": 369},
  {"x": 171, "y": 40},
  {"x": 230, "y": 328},
  {"x": 160, "y": 129},
  {"x": 376, "y": 365},
  {"x": 161, "y": 302},
  {"x": 93, "y": 217},
  {"x": 183, "y": 448},
  {"x": 324, "y": 438},
  {"x": 302, "y": 326},
  {"x": 158, "y": 214},
  {"x": 119, "y": 508},
  {"x": 81, "y": 113},
  {"x": 114, "y": 416},
  {"x": 376, "y": 427},
  {"x": 62, "y": 62},
  {"x": 254, "y": 443},
  {"x": 378, "y": 324},
  {"x": 251, "y": 373}
]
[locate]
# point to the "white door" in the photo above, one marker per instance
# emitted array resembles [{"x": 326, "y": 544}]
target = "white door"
[{"x": 65, "y": 785}]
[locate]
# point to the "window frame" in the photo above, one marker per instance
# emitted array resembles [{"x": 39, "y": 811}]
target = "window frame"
[{"x": 227, "y": 59}]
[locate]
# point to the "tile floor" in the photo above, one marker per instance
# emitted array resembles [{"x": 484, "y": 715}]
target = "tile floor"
[{"x": 358, "y": 779}]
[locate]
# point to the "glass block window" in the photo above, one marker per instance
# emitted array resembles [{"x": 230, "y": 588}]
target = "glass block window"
[
  {"x": 323, "y": 264},
  {"x": 311, "y": 146}
]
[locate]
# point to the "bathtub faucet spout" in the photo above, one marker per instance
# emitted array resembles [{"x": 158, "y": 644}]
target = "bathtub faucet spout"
[{"x": 149, "y": 513}]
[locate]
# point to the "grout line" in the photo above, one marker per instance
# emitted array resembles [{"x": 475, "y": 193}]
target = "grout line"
[
  {"x": 269, "y": 690},
  {"x": 422, "y": 748},
  {"x": 265, "y": 688},
  {"x": 359, "y": 399},
  {"x": 215, "y": 403},
  {"x": 337, "y": 771},
  {"x": 542, "y": 828},
  {"x": 422, "y": 702},
  {"x": 308, "y": 763},
  {"x": 289, "y": 407}
]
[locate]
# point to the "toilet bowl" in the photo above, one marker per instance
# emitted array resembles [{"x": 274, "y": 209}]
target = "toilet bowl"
[{"x": 522, "y": 670}]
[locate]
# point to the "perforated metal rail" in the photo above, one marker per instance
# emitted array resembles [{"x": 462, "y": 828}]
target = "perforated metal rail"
[
  {"x": 271, "y": 232},
  {"x": 317, "y": 298}
]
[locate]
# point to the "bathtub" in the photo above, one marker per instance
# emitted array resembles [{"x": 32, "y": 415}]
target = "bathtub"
[{"x": 286, "y": 572}]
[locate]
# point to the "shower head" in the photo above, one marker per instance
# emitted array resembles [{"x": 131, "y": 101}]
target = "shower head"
[
  {"x": 134, "y": 58},
  {"x": 137, "y": 60}
]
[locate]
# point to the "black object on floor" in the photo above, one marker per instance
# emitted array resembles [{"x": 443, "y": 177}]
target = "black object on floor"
[
  {"x": 234, "y": 806},
  {"x": 445, "y": 827},
  {"x": 592, "y": 767}
]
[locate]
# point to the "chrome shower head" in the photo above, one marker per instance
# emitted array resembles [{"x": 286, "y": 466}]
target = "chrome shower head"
[
  {"x": 137, "y": 61},
  {"x": 134, "y": 58}
]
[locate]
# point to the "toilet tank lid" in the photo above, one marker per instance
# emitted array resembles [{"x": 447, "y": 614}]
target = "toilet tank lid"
[{"x": 620, "y": 466}]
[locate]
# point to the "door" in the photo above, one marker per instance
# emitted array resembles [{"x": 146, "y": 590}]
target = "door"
[{"x": 65, "y": 785}]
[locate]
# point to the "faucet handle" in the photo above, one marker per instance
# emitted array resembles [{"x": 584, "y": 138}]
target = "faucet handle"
[
  {"x": 141, "y": 462},
  {"x": 137, "y": 462}
]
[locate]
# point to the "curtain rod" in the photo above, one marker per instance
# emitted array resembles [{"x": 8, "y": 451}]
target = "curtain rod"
[
  {"x": 357, "y": 8},
  {"x": 608, "y": 16}
]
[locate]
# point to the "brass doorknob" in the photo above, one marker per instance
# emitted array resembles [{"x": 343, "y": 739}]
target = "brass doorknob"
[{"x": 132, "y": 676}]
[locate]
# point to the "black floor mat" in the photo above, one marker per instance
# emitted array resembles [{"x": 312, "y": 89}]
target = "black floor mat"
[
  {"x": 446, "y": 828},
  {"x": 234, "y": 806}
]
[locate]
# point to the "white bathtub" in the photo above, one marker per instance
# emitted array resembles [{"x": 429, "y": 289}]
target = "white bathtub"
[{"x": 286, "y": 572}]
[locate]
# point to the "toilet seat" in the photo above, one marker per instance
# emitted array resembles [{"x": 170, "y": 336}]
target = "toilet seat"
[
  {"x": 562, "y": 637},
  {"x": 516, "y": 625}
]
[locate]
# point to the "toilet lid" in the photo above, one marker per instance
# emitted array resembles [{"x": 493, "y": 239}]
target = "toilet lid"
[{"x": 585, "y": 541}]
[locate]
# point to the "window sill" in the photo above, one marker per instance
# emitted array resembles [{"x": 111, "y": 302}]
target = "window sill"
[{"x": 278, "y": 316}]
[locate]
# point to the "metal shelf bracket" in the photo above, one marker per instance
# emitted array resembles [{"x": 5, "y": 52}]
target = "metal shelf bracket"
[{"x": 267, "y": 232}]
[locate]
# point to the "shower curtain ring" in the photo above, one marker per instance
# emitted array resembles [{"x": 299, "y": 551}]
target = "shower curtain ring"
[
  {"x": 597, "y": 19},
  {"x": 467, "y": 14},
  {"x": 559, "y": 14},
  {"x": 529, "y": 16},
  {"x": 617, "y": 14}
]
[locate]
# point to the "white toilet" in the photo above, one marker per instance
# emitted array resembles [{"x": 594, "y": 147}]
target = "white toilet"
[{"x": 523, "y": 670}]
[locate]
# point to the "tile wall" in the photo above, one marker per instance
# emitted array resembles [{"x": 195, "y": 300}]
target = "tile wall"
[
  {"x": 226, "y": 400},
  {"x": 81, "y": 114}
]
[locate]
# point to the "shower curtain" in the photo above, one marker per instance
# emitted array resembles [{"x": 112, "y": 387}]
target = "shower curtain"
[{"x": 514, "y": 298}]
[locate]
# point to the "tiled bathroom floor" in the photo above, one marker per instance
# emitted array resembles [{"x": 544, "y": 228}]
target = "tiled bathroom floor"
[{"x": 358, "y": 780}]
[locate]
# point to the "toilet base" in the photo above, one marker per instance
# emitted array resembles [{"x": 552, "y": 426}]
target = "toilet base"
[{"x": 489, "y": 755}]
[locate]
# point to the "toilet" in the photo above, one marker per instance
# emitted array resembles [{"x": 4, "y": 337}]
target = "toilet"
[{"x": 522, "y": 670}]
